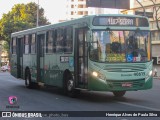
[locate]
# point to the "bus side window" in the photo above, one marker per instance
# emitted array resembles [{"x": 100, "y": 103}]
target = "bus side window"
[
  {"x": 49, "y": 42},
  {"x": 26, "y": 44},
  {"x": 54, "y": 40},
  {"x": 33, "y": 43},
  {"x": 60, "y": 40},
  {"x": 68, "y": 45}
]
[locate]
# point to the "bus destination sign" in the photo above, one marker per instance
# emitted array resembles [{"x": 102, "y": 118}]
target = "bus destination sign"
[{"x": 120, "y": 21}]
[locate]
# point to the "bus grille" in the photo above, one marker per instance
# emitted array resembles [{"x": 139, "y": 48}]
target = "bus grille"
[{"x": 125, "y": 68}]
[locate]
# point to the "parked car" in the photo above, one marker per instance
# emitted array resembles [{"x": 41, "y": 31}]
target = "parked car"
[{"x": 5, "y": 68}]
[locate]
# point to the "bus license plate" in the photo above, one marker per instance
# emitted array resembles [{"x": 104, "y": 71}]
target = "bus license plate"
[{"x": 127, "y": 84}]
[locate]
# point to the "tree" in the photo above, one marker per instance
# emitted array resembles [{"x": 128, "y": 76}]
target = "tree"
[
  {"x": 156, "y": 12},
  {"x": 21, "y": 17},
  {"x": 144, "y": 11}
]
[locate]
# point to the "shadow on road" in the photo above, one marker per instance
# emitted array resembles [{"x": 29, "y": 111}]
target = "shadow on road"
[{"x": 89, "y": 96}]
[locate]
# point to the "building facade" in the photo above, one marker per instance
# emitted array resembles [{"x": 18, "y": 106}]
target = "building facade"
[
  {"x": 77, "y": 8},
  {"x": 152, "y": 10}
]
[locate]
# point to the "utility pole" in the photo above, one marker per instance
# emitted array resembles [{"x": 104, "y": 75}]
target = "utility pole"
[{"x": 38, "y": 13}]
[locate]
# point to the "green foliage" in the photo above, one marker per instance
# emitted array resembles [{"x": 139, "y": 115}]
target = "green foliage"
[
  {"x": 21, "y": 17},
  {"x": 5, "y": 46}
]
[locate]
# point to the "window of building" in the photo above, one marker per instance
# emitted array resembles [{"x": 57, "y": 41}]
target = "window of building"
[
  {"x": 151, "y": 25},
  {"x": 84, "y": 6},
  {"x": 80, "y": 12},
  {"x": 155, "y": 36},
  {"x": 154, "y": 25},
  {"x": 72, "y": 6},
  {"x": 33, "y": 43},
  {"x": 85, "y": 12},
  {"x": 72, "y": 13},
  {"x": 80, "y": 6}
]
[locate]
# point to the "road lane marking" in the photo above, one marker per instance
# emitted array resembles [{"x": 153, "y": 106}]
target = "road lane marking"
[{"x": 140, "y": 106}]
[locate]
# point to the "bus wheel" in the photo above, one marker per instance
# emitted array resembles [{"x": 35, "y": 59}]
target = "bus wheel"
[
  {"x": 69, "y": 86},
  {"x": 119, "y": 93}
]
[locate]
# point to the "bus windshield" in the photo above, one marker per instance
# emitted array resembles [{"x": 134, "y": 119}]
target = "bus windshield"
[{"x": 120, "y": 46}]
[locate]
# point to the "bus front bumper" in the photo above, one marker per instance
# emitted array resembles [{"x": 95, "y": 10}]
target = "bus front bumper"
[{"x": 119, "y": 85}]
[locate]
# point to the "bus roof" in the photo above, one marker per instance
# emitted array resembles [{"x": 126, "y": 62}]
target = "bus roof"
[{"x": 84, "y": 19}]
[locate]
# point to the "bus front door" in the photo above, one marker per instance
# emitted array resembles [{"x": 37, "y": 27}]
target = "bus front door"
[
  {"x": 81, "y": 61},
  {"x": 40, "y": 57},
  {"x": 20, "y": 58}
]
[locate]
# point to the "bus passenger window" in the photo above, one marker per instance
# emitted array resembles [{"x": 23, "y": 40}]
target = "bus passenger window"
[
  {"x": 26, "y": 44},
  {"x": 33, "y": 43},
  {"x": 60, "y": 40},
  {"x": 68, "y": 45},
  {"x": 49, "y": 42}
]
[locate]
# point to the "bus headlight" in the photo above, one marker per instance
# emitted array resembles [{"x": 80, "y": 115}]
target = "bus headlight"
[
  {"x": 98, "y": 75},
  {"x": 95, "y": 74},
  {"x": 148, "y": 75}
]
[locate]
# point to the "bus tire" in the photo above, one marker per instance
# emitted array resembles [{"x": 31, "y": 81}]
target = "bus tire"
[
  {"x": 69, "y": 86},
  {"x": 119, "y": 93}
]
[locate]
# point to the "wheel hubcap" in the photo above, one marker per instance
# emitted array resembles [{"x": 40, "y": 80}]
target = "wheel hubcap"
[{"x": 70, "y": 85}]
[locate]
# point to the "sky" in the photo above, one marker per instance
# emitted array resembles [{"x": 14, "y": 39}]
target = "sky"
[{"x": 54, "y": 9}]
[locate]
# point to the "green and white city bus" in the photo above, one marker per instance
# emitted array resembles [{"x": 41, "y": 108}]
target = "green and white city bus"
[{"x": 96, "y": 53}]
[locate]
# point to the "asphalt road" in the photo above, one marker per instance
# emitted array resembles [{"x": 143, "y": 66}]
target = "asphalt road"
[{"x": 51, "y": 99}]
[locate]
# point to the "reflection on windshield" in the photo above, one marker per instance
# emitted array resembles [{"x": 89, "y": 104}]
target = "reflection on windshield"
[{"x": 120, "y": 46}]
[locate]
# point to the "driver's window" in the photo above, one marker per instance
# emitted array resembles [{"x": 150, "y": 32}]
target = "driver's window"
[{"x": 136, "y": 46}]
